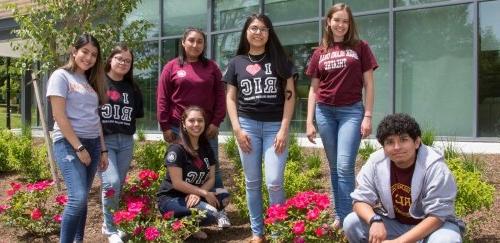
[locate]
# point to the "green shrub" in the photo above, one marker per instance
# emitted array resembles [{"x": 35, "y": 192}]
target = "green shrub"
[
  {"x": 150, "y": 155},
  {"x": 294, "y": 150},
  {"x": 141, "y": 136},
  {"x": 473, "y": 192},
  {"x": 428, "y": 137},
  {"x": 450, "y": 152},
  {"x": 17, "y": 153},
  {"x": 232, "y": 153},
  {"x": 365, "y": 151}
]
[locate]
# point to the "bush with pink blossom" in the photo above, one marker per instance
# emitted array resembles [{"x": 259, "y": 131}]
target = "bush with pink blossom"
[
  {"x": 139, "y": 218},
  {"x": 29, "y": 207},
  {"x": 303, "y": 218}
]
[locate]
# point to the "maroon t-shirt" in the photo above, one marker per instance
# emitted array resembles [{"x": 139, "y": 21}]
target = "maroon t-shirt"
[
  {"x": 401, "y": 193},
  {"x": 192, "y": 84},
  {"x": 340, "y": 72}
]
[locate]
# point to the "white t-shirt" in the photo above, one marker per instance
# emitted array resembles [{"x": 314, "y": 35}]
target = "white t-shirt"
[{"x": 81, "y": 103}]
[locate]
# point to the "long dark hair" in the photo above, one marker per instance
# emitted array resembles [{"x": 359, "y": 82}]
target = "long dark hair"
[
  {"x": 351, "y": 38},
  {"x": 185, "y": 141},
  {"x": 129, "y": 76},
  {"x": 202, "y": 57},
  {"x": 279, "y": 59},
  {"x": 95, "y": 75}
]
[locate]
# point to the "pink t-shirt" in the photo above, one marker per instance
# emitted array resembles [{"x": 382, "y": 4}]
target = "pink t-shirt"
[{"x": 340, "y": 71}]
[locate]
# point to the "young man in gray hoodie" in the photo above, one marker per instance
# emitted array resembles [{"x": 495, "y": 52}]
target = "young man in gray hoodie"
[{"x": 405, "y": 192}]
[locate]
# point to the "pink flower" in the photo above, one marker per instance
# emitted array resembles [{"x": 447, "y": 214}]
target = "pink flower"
[
  {"x": 137, "y": 230},
  {"x": 40, "y": 186},
  {"x": 36, "y": 214},
  {"x": 148, "y": 175},
  {"x": 15, "y": 187},
  {"x": 168, "y": 215},
  {"x": 121, "y": 216},
  {"x": 57, "y": 218},
  {"x": 320, "y": 231},
  {"x": 298, "y": 240},
  {"x": 135, "y": 207},
  {"x": 151, "y": 233},
  {"x": 298, "y": 227},
  {"x": 3, "y": 208},
  {"x": 277, "y": 213},
  {"x": 62, "y": 199},
  {"x": 109, "y": 193},
  {"x": 313, "y": 214},
  {"x": 177, "y": 225}
]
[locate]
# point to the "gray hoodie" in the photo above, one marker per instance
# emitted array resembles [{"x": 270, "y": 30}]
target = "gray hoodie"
[{"x": 433, "y": 187}]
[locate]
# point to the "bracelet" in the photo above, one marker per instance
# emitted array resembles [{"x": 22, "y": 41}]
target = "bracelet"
[
  {"x": 370, "y": 116},
  {"x": 104, "y": 151}
]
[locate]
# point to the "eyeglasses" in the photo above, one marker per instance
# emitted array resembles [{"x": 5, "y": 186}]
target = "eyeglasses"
[
  {"x": 255, "y": 29},
  {"x": 122, "y": 60}
]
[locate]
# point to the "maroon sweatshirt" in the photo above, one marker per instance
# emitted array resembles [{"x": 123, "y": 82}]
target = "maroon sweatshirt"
[{"x": 192, "y": 84}]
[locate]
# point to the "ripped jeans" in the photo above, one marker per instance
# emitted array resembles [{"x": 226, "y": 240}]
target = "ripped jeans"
[
  {"x": 78, "y": 180},
  {"x": 262, "y": 135}
]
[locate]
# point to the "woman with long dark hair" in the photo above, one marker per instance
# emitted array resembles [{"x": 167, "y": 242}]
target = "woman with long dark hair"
[
  {"x": 75, "y": 91},
  {"x": 118, "y": 118},
  {"x": 191, "y": 173},
  {"x": 260, "y": 101}
]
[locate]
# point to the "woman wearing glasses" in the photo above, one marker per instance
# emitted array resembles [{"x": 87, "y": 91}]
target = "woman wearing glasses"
[
  {"x": 118, "y": 118},
  {"x": 192, "y": 80},
  {"x": 260, "y": 101}
]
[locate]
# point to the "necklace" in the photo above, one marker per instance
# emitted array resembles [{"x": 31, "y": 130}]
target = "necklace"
[{"x": 250, "y": 58}]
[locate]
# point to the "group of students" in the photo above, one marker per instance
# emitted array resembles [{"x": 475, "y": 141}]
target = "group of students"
[{"x": 95, "y": 116}]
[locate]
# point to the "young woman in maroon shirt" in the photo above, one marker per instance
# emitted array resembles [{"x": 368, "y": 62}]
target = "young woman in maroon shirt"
[
  {"x": 340, "y": 69},
  {"x": 187, "y": 80}
]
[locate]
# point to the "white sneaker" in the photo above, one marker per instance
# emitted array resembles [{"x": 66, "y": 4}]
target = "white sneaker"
[
  {"x": 223, "y": 220},
  {"x": 114, "y": 238},
  {"x": 104, "y": 231}
]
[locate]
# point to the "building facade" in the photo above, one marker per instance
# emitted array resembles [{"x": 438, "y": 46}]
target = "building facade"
[{"x": 439, "y": 60}]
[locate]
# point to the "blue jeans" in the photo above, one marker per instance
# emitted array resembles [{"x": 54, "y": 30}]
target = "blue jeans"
[
  {"x": 78, "y": 179},
  {"x": 340, "y": 131},
  {"x": 214, "y": 145},
  {"x": 178, "y": 206},
  {"x": 262, "y": 135},
  {"x": 120, "y": 149},
  {"x": 356, "y": 230}
]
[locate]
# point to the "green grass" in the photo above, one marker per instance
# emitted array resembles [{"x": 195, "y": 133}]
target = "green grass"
[{"x": 15, "y": 120}]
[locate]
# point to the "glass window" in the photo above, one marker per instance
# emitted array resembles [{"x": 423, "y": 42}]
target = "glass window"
[
  {"x": 300, "y": 48},
  {"x": 147, "y": 10},
  {"x": 399, "y": 3},
  {"x": 287, "y": 10},
  {"x": 193, "y": 13},
  {"x": 169, "y": 49},
  {"x": 489, "y": 70},
  {"x": 433, "y": 62},
  {"x": 230, "y": 14},
  {"x": 360, "y": 5},
  {"x": 375, "y": 30},
  {"x": 147, "y": 80}
]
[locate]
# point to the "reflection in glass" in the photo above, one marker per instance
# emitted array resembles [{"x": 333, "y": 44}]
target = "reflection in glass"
[
  {"x": 147, "y": 80},
  {"x": 229, "y": 14},
  {"x": 286, "y": 10},
  {"x": 434, "y": 80},
  {"x": 489, "y": 70},
  {"x": 300, "y": 48},
  {"x": 398, "y": 3},
  {"x": 169, "y": 49},
  {"x": 147, "y": 10},
  {"x": 375, "y": 30},
  {"x": 360, "y": 6},
  {"x": 193, "y": 13}
]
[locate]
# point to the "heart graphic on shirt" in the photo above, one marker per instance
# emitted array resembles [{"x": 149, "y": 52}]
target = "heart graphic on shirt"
[
  {"x": 253, "y": 69},
  {"x": 113, "y": 95}
]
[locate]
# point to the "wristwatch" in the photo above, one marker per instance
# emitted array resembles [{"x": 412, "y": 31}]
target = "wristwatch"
[
  {"x": 375, "y": 218},
  {"x": 80, "y": 148}
]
